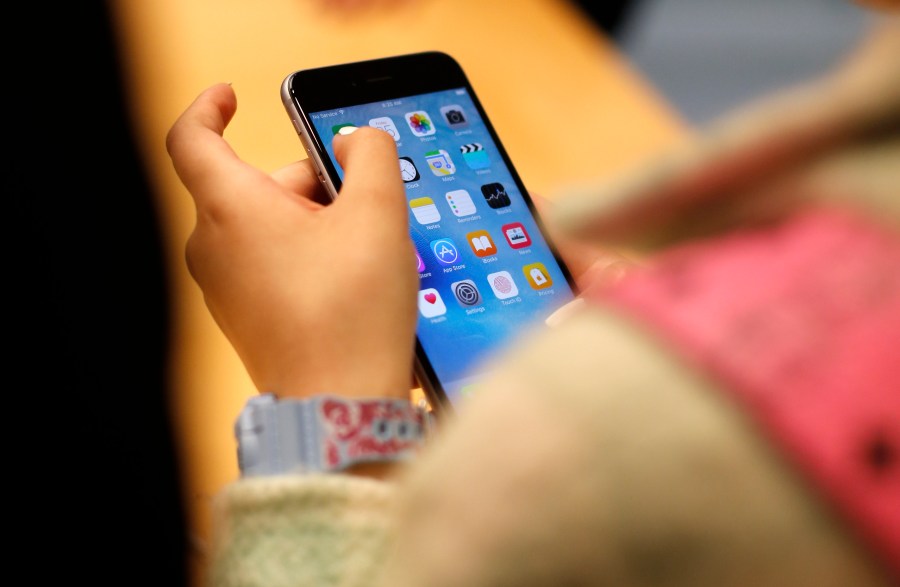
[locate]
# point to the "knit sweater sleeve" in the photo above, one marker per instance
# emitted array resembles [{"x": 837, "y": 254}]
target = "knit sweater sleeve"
[{"x": 295, "y": 530}]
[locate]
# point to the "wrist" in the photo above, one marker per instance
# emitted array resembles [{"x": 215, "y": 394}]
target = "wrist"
[
  {"x": 370, "y": 379},
  {"x": 356, "y": 385}
]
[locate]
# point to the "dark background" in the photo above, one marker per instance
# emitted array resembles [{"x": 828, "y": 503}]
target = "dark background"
[{"x": 95, "y": 492}]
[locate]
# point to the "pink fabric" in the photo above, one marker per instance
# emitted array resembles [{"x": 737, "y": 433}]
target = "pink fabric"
[{"x": 801, "y": 323}]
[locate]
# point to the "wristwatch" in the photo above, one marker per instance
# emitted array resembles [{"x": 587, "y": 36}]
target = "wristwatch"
[{"x": 324, "y": 433}]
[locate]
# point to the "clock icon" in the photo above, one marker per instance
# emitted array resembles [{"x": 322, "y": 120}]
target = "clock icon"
[{"x": 408, "y": 170}]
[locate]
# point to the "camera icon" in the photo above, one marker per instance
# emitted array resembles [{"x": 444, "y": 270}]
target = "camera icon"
[{"x": 454, "y": 115}]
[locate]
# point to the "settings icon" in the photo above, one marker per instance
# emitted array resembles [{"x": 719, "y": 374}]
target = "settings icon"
[{"x": 466, "y": 292}]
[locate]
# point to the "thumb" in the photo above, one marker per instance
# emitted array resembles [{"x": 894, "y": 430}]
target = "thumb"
[
  {"x": 372, "y": 183},
  {"x": 200, "y": 155}
]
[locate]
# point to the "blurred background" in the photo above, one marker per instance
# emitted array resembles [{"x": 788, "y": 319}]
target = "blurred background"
[
  {"x": 118, "y": 340},
  {"x": 709, "y": 56}
]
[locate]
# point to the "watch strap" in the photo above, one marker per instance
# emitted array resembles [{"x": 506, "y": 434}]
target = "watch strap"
[{"x": 324, "y": 433}]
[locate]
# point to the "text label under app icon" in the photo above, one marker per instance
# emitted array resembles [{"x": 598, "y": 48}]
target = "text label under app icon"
[
  {"x": 537, "y": 276},
  {"x": 445, "y": 251},
  {"x": 424, "y": 210},
  {"x": 495, "y": 195},
  {"x": 503, "y": 285},
  {"x": 482, "y": 244},
  {"x": 419, "y": 123},
  {"x": 466, "y": 293},
  {"x": 430, "y": 303}
]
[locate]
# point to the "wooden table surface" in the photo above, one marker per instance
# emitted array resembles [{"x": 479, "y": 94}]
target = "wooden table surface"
[{"x": 567, "y": 105}]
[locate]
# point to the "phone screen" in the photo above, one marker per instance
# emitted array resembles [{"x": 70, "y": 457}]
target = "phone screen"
[{"x": 486, "y": 271}]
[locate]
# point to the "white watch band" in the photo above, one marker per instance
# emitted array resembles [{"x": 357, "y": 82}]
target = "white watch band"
[{"x": 324, "y": 433}]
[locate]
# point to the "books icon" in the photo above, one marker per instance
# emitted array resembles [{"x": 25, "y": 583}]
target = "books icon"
[{"x": 482, "y": 244}]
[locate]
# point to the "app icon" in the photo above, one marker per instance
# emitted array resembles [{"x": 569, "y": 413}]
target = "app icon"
[
  {"x": 481, "y": 243},
  {"x": 445, "y": 251},
  {"x": 420, "y": 264},
  {"x": 408, "y": 170},
  {"x": 537, "y": 276},
  {"x": 339, "y": 128},
  {"x": 460, "y": 202},
  {"x": 430, "y": 303},
  {"x": 419, "y": 123},
  {"x": 503, "y": 285},
  {"x": 424, "y": 210},
  {"x": 454, "y": 116},
  {"x": 387, "y": 125},
  {"x": 475, "y": 156},
  {"x": 495, "y": 195},
  {"x": 440, "y": 163},
  {"x": 466, "y": 293},
  {"x": 516, "y": 235}
]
